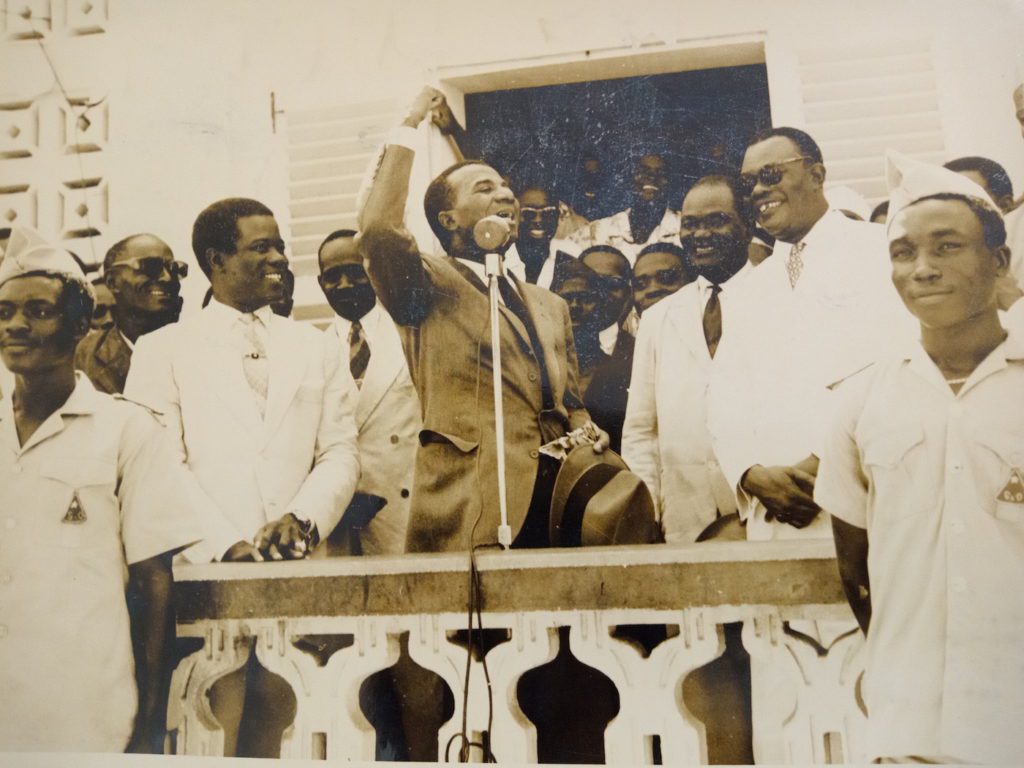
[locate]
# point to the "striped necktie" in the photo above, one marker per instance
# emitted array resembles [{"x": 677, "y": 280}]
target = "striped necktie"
[{"x": 358, "y": 353}]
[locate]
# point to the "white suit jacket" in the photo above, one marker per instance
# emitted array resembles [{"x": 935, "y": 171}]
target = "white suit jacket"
[
  {"x": 301, "y": 457},
  {"x": 387, "y": 413},
  {"x": 665, "y": 439},
  {"x": 770, "y": 398}
]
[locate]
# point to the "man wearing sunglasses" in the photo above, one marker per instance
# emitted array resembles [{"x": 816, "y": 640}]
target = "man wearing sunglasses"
[
  {"x": 145, "y": 280},
  {"x": 537, "y": 247},
  {"x": 820, "y": 307}
]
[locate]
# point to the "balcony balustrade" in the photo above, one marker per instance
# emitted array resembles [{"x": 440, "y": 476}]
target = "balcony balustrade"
[{"x": 364, "y": 611}]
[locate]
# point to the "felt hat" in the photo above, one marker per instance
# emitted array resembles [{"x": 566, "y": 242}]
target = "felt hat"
[{"x": 598, "y": 501}]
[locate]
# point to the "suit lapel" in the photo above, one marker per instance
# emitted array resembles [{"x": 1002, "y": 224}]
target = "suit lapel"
[
  {"x": 114, "y": 357},
  {"x": 287, "y": 368},
  {"x": 544, "y": 323},
  {"x": 386, "y": 361},
  {"x": 685, "y": 315},
  {"x": 509, "y": 315}
]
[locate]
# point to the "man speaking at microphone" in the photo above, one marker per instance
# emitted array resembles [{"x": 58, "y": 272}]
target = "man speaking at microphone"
[{"x": 441, "y": 308}]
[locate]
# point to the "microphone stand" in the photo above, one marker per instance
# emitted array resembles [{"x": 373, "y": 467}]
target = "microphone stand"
[{"x": 494, "y": 268}]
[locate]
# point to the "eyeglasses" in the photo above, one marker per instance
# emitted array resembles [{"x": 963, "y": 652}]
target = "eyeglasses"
[
  {"x": 715, "y": 220},
  {"x": 545, "y": 211},
  {"x": 769, "y": 175},
  {"x": 153, "y": 266},
  {"x": 355, "y": 273}
]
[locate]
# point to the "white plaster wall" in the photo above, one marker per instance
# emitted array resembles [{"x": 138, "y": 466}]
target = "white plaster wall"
[{"x": 190, "y": 80}]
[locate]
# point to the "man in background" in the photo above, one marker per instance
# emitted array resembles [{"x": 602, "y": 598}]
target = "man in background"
[
  {"x": 144, "y": 279},
  {"x": 364, "y": 338}
]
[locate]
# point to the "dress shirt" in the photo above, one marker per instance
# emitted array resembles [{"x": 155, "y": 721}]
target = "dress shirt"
[
  {"x": 513, "y": 269},
  {"x": 930, "y": 475},
  {"x": 66, "y": 663},
  {"x": 769, "y": 401},
  {"x": 615, "y": 231},
  {"x": 369, "y": 322},
  {"x": 514, "y": 262}
]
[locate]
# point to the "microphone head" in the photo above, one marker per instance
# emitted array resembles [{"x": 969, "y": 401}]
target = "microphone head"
[{"x": 491, "y": 233}]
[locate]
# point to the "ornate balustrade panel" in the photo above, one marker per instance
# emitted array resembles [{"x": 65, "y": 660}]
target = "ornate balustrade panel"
[{"x": 325, "y": 626}]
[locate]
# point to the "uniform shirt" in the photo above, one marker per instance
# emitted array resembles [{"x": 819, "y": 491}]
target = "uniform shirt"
[
  {"x": 769, "y": 398},
  {"x": 92, "y": 491},
  {"x": 937, "y": 480},
  {"x": 615, "y": 231}
]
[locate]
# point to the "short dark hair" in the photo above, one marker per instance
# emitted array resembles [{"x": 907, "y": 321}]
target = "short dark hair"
[
  {"x": 438, "y": 197},
  {"x": 992, "y": 227},
  {"x": 666, "y": 247},
  {"x": 601, "y": 248},
  {"x": 217, "y": 226},
  {"x": 740, "y": 199},
  {"x": 881, "y": 208},
  {"x": 335, "y": 235},
  {"x": 808, "y": 147},
  {"x": 996, "y": 178},
  {"x": 76, "y": 299}
]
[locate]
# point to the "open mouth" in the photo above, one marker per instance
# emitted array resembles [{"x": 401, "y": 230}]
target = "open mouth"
[
  {"x": 650, "y": 188},
  {"x": 768, "y": 206}
]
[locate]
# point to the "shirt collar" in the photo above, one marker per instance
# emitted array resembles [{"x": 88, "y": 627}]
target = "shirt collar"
[
  {"x": 83, "y": 401},
  {"x": 367, "y": 321},
  {"x": 225, "y": 316},
  {"x": 704, "y": 285},
  {"x": 1010, "y": 350}
]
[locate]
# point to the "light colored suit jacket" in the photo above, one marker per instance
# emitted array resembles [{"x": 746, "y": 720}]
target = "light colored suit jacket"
[
  {"x": 665, "y": 439},
  {"x": 246, "y": 470},
  {"x": 442, "y": 311},
  {"x": 387, "y": 414}
]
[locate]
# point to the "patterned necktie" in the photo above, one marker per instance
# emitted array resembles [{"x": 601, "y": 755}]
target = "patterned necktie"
[
  {"x": 795, "y": 263},
  {"x": 358, "y": 352},
  {"x": 254, "y": 361},
  {"x": 713, "y": 319}
]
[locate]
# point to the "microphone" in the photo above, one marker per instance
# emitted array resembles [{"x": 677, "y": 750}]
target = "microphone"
[{"x": 491, "y": 232}]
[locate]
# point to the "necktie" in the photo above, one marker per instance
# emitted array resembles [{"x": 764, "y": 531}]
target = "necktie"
[
  {"x": 713, "y": 319},
  {"x": 514, "y": 302},
  {"x": 358, "y": 352},
  {"x": 795, "y": 263},
  {"x": 254, "y": 361}
]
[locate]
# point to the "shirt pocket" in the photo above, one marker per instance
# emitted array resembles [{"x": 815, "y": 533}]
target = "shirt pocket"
[
  {"x": 999, "y": 473},
  {"x": 80, "y": 498},
  {"x": 899, "y": 476}
]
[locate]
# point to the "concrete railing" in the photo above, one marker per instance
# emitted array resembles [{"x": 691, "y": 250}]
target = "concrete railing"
[{"x": 797, "y": 629}]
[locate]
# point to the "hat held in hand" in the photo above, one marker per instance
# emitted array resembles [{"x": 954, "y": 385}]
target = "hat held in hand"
[{"x": 598, "y": 501}]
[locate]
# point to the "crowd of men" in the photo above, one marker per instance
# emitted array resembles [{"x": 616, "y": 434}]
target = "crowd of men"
[{"x": 855, "y": 383}]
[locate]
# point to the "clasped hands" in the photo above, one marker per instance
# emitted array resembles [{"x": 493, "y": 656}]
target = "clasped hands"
[
  {"x": 286, "y": 538},
  {"x": 786, "y": 492}
]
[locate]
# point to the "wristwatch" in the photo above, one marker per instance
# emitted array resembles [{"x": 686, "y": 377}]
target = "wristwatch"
[{"x": 308, "y": 530}]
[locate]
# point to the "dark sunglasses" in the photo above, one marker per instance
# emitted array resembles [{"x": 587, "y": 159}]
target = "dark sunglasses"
[
  {"x": 355, "y": 273},
  {"x": 153, "y": 267},
  {"x": 769, "y": 175}
]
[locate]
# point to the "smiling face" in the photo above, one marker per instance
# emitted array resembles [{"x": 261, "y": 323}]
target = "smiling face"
[
  {"x": 790, "y": 206},
  {"x": 138, "y": 292},
  {"x": 650, "y": 181},
  {"x": 35, "y": 337},
  {"x": 712, "y": 233},
  {"x": 538, "y": 216},
  {"x": 478, "y": 191},
  {"x": 254, "y": 275},
  {"x": 941, "y": 266}
]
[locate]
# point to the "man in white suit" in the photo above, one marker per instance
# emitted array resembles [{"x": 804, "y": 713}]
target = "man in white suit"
[
  {"x": 364, "y": 339},
  {"x": 665, "y": 437},
  {"x": 264, "y": 426}
]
